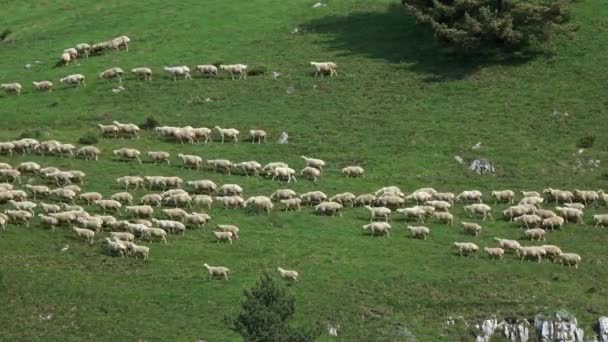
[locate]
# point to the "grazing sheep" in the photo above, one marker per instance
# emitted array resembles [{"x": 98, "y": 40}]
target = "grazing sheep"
[
  {"x": 291, "y": 203},
  {"x": 267, "y": 169},
  {"x": 508, "y": 244},
  {"x": 389, "y": 201},
  {"x": 553, "y": 222},
  {"x": 197, "y": 219},
  {"x": 259, "y": 203},
  {"x": 570, "y": 259},
  {"x": 191, "y": 160},
  {"x": 88, "y": 152},
  {"x": 311, "y": 173},
  {"x": 419, "y": 232},
  {"x": 151, "y": 199},
  {"x": 469, "y": 196},
  {"x": 444, "y": 217},
  {"x": 49, "y": 208},
  {"x": 587, "y": 196},
  {"x": 174, "y": 213},
  {"x": 378, "y": 227},
  {"x": 353, "y": 171},
  {"x": 84, "y": 233},
  {"x": 231, "y": 133},
  {"x": 43, "y": 86},
  {"x": 515, "y": 211},
  {"x": 141, "y": 251},
  {"x": 325, "y": 67},
  {"x": 529, "y": 220},
  {"x": 466, "y": 248},
  {"x": 570, "y": 213},
  {"x": 127, "y": 129},
  {"x": 282, "y": 173},
  {"x": 533, "y": 252},
  {"x": 149, "y": 233},
  {"x": 544, "y": 213},
  {"x": 314, "y": 163},
  {"x": 378, "y": 212},
  {"x": 112, "y": 73},
  {"x": 160, "y": 156},
  {"x": 206, "y": 69},
  {"x": 532, "y": 200},
  {"x": 239, "y": 69},
  {"x": 419, "y": 197},
  {"x": 128, "y": 154},
  {"x": 494, "y": 252},
  {"x": 552, "y": 252},
  {"x": 143, "y": 73},
  {"x": 223, "y": 165},
  {"x": 11, "y": 88},
  {"x": 140, "y": 210},
  {"x": 535, "y": 234},
  {"x": 9, "y": 148},
  {"x": 64, "y": 59},
  {"x": 444, "y": 196},
  {"x": 203, "y": 186},
  {"x": 223, "y": 236},
  {"x": 559, "y": 195},
  {"x": 288, "y": 274},
  {"x": 178, "y": 71},
  {"x": 229, "y": 228},
  {"x": 471, "y": 228},
  {"x": 93, "y": 223},
  {"x": 600, "y": 220},
  {"x": 504, "y": 195},
  {"x": 217, "y": 271},
  {"x": 48, "y": 221},
  {"x": 123, "y": 197},
  {"x": 479, "y": 208},
  {"x": 313, "y": 197},
  {"x": 329, "y": 208},
  {"x": 230, "y": 189},
  {"x": 73, "y": 80},
  {"x": 131, "y": 180},
  {"x": 365, "y": 199},
  {"x": 416, "y": 212},
  {"x": 108, "y": 205},
  {"x": 108, "y": 130},
  {"x": 439, "y": 205},
  {"x": 257, "y": 134}
]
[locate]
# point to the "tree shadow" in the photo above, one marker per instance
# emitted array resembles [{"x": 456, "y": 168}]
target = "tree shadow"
[{"x": 394, "y": 35}]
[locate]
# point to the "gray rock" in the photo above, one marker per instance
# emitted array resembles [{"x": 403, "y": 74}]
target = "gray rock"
[
  {"x": 482, "y": 166},
  {"x": 603, "y": 329},
  {"x": 276, "y": 74},
  {"x": 487, "y": 330},
  {"x": 283, "y": 138},
  {"x": 319, "y": 4},
  {"x": 459, "y": 160},
  {"x": 563, "y": 328},
  {"x": 28, "y": 66}
]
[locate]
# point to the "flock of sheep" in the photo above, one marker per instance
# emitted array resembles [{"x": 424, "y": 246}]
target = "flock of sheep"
[{"x": 83, "y": 50}]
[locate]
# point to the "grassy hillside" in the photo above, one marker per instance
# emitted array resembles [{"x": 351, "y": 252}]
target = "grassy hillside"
[{"x": 401, "y": 108}]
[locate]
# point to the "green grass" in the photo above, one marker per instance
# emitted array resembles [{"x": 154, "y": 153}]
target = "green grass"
[{"x": 401, "y": 108}]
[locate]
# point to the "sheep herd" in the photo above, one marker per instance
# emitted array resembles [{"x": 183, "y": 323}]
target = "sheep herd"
[{"x": 84, "y": 50}]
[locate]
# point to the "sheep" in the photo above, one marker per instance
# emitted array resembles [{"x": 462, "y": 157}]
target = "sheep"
[
  {"x": 575, "y": 205},
  {"x": 220, "y": 236},
  {"x": 24, "y": 205},
  {"x": 197, "y": 219},
  {"x": 149, "y": 233},
  {"x": 178, "y": 71},
  {"x": 83, "y": 49},
  {"x": 68, "y": 207},
  {"x": 329, "y": 208},
  {"x": 392, "y": 190},
  {"x": 64, "y": 194},
  {"x": 259, "y": 203},
  {"x": 84, "y": 233},
  {"x": 108, "y": 205},
  {"x": 494, "y": 252},
  {"x": 120, "y": 42},
  {"x": 217, "y": 271},
  {"x": 127, "y": 129},
  {"x": 108, "y": 130},
  {"x": 291, "y": 203},
  {"x": 365, "y": 199},
  {"x": 353, "y": 171},
  {"x": 115, "y": 247},
  {"x": 288, "y": 274},
  {"x": 140, "y": 210},
  {"x": 314, "y": 163},
  {"x": 124, "y": 236},
  {"x": 174, "y": 213},
  {"x": 532, "y": 200},
  {"x": 529, "y": 220},
  {"x": 3, "y": 221},
  {"x": 43, "y": 86},
  {"x": 9, "y": 148},
  {"x": 603, "y": 196},
  {"x": 535, "y": 234},
  {"x": 142, "y": 73},
  {"x": 190, "y": 160},
  {"x": 6, "y": 186},
  {"x": 439, "y": 205},
  {"x": 248, "y": 167},
  {"x": 466, "y": 248},
  {"x": 203, "y": 186},
  {"x": 206, "y": 69},
  {"x": 202, "y": 201},
  {"x": 202, "y": 133},
  {"x": 504, "y": 195},
  {"x": 559, "y": 195},
  {"x": 230, "y": 189},
  {"x": 600, "y": 220},
  {"x": 63, "y": 217},
  {"x": 48, "y": 221},
  {"x": 179, "y": 200},
  {"x": 281, "y": 194},
  {"x": 267, "y": 169},
  {"x": 389, "y": 201},
  {"x": 515, "y": 211},
  {"x": 535, "y": 252},
  {"x": 282, "y": 173},
  {"x": 151, "y": 199},
  {"x": 223, "y": 165},
  {"x": 313, "y": 197},
  {"x": 142, "y": 251},
  {"x": 419, "y": 197},
  {"x": 480, "y": 208},
  {"x": 99, "y": 48},
  {"x": 570, "y": 213},
  {"x": 183, "y": 134},
  {"x": 231, "y": 133},
  {"x": 444, "y": 217},
  {"x": 239, "y": 69},
  {"x": 379, "y": 227},
  {"x": 28, "y": 167},
  {"x": 17, "y": 195},
  {"x": 444, "y": 196},
  {"x": 416, "y": 212},
  {"x": 131, "y": 180},
  {"x": 378, "y": 212},
  {"x": 325, "y": 67},
  {"x": 111, "y": 73},
  {"x": 76, "y": 177},
  {"x": 231, "y": 201},
  {"x": 88, "y": 152},
  {"x": 73, "y": 80},
  {"x": 123, "y": 197},
  {"x": 587, "y": 196},
  {"x": 72, "y": 52},
  {"x": 160, "y": 156},
  {"x": 64, "y": 59},
  {"x": 174, "y": 192},
  {"x": 508, "y": 244},
  {"x": 229, "y": 228},
  {"x": 170, "y": 226},
  {"x": 419, "y": 232},
  {"x": 257, "y": 134},
  {"x": 530, "y": 193},
  {"x": 471, "y": 228},
  {"x": 552, "y": 252},
  {"x": 127, "y": 154},
  {"x": 93, "y": 223},
  {"x": 38, "y": 190},
  {"x": 469, "y": 196},
  {"x": 544, "y": 213},
  {"x": 11, "y": 88},
  {"x": 570, "y": 259}
]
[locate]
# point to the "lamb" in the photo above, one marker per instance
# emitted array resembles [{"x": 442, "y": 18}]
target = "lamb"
[
  {"x": 160, "y": 156},
  {"x": 17, "y": 195},
  {"x": 223, "y": 165},
  {"x": 64, "y": 59},
  {"x": 552, "y": 252},
  {"x": 108, "y": 130},
  {"x": 416, "y": 212},
  {"x": 83, "y": 49},
  {"x": 288, "y": 274},
  {"x": 203, "y": 186},
  {"x": 257, "y": 134},
  {"x": 217, "y": 271},
  {"x": 291, "y": 203},
  {"x": 174, "y": 192},
  {"x": 314, "y": 163},
  {"x": 131, "y": 180},
  {"x": 603, "y": 196},
  {"x": 229, "y": 228},
  {"x": 178, "y": 71},
  {"x": 73, "y": 80},
  {"x": 530, "y": 193},
  {"x": 127, "y": 129},
  {"x": 198, "y": 219},
  {"x": 378, "y": 227},
  {"x": 471, "y": 228},
  {"x": 419, "y": 232},
  {"x": 231, "y": 133},
  {"x": 11, "y": 88},
  {"x": 444, "y": 217},
  {"x": 142, "y": 251},
  {"x": 439, "y": 205},
  {"x": 220, "y": 236},
  {"x": 365, "y": 199},
  {"x": 38, "y": 190},
  {"x": 378, "y": 212},
  {"x": 480, "y": 208},
  {"x": 494, "y": 252},
  {"x": 140, "y": 210},
  {"x": 28, "y": 167},
  {"x": 84, "y": 233},
  {"x": 535, "y": 252},
  {"x": 88, "y": 152},
  {"x": 600, "y": 220},
  {"x": 143, "y": 73},
  {"x": 123, "y": 197},
  {"x": 535, "y": 234},
  {"x": 99, "y": 48},
  {"x": 529, "y": 220},
  {"x": 325, "y": 67},
  {"x": 559, "y": 195},
  {"x": 48, "y": 221},
  {"x": 504, "y": 195},
  {"x": 508, "y": 244},
  {"x": 149, "y": 233},
  {"x": 108, "y": 205},
  {"x": 444, "y": 196},
  {"x": 128, "y": 154},
  {"x": 570, "y": 259},
  {"x": 466, "y": 248},
  {"x": 469, "y": 196},
  {"x": 174, "y": 213},
  {"x": 43, "y": 86},
  {"x": 329, "y": 208},
  {"x": 570, "y": 213},
  {"x": 191, "y": 160},
  {"x": 111, "y": 73},
  {"x": 259, "y": 203},
  {"x": 206, "y": 69},
  {"x": 239, "y": 69},
  {"x": 283, "y": 172},
  {"x": 313, "y": 197},
  {"x": 230, "y": 189}
]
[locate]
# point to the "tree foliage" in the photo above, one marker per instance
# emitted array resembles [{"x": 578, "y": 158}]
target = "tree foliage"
[
  {"x": 265, "y": 314},
  {"x": 506, "y": 25}
]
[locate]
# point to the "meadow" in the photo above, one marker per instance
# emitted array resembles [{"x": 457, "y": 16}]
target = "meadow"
[{"x": 402, "y": 108}]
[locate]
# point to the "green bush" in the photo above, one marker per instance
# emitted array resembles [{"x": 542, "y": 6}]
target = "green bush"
[
  {"x": 88, "y": 139},
  {"x": 256, "y": 70},
  {"x": 586, "y": 142},
  {"x": 150, "y": 123}
]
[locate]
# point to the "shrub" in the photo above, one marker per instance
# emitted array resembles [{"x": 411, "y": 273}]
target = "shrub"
[
  {"x": 256, "y": 70},
  {"x": 88, "y": 139},
  {"x": 150, "y": 123},
  {"x": 586, "y": 141},
  {"x": 33, "y": 134}
]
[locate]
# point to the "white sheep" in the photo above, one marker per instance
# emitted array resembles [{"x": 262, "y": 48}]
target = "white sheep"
[
  {"x": 141, "y": 251},
  {"x": 259, "y": 203},
  {"x": 151, "y": 199},
  {"x": 9, "y": 148},
  {"x": 64, "y": 194},
  {"x": 345, "y": 198},
  {"x": 291, "y": 203},
  {"x": 570, "y": 213},
  {"x": 532, "y": 200},
  {"x": 223, "y": 165},
  {"x": 559, "y": 195},
  {"x": 178, "y": 71},
  {"x": 221, "y": 236},
  {"x": 570, "y": 259},
  {"x": 108, "y": 205},
  {"x": 128, "y": 154},
  {"x": 84, "y": 233},
  {"x": 471, "y": 228},
  {"x": 83, "y": 49},
  {"x": 108, "y": 130},
  {"x": 112, "y": 73},
  {"x": 503, "y": 195},
  {"x": 469, "y": 196},
  {"x": 38, "y": 190},
  {"x": 64, "y": 58},
  {"x": 535, "y": 252},
  {"x": 466, "y": 248},
  {"x": 206, "y": 69},
  {"x": 217, "y": 271},
  {"x": 314, "y": 163},
  {"x": 552, "y": 252},
  {"x": 535, "y": 234},
  {"x": 231, "y": 133},
  {"x": 73, "y": 80},
  {"x": 174, "y": 213},
  {"x": 445, "y": 196},
  {"x": 288, "y": 274},
  {"x": 248, "y": 167},
  {"x": 257, "y": 134},
  {"x": 586, "y": 196},
  {"x": 191, "y": 160},
  {"x": 313, "y": 197},
  {"x": 508, "y": 244},
  {"x": 416, "y": 212},
  {"x": 389, "y": 201},
  {"x": 439, "y": 205},
  {"x": 28, "y": 167},
  {"x": 600, "y": 220},
  {"x": 271, "y": 166},
  {"x": 529, "y": 220},
  {"x": 419, "y": 197},
  {"x": 553, "y": 222},
  {"x": 378, "y": 212},
  {"x": 229, "y": 228},
  {"x": 48, "y": 221},
  {"x": 365, "y": 199},
  {"x": 131, "y": 180},
  {"x": 49, "y": 208},
  {"x": 202, "y": 133},
  {"x": 88, "y": 152},
  {"x": 120, "y": 42},
  {"x": 353, "y": 171},
  {"x": 329, "y": 208},
  {"x": 43, "y": 86},
  {"x": 311, "y": 173},
  {"x": 160, "y": 156},
  {"x": 23, "y": 205},
  {"x": 494, "y": 252},
  {"x": 239, "y": 69},
  {"x": 282, "y": 173},
  {"x": 140, "y": 210},
  {"x": 419, "y": 232},
  {"x": 575, "y": 205},
  {"x": 479, "y": 208},
  {"x": 378, "y": 227},
  {"x": 230, "y": 189},
  {"x": 149, "y": 233},
  {"x": 127, "y": 129},
  {"x": 143, "y": 73},
  {"x": 204, "y": 186},
  {"x": 198, "y": 219},
  {"x": 231, "y": 201},
  {"x": 92, "y": 223},
  {"x": 11, "y": 88},
  {"x": 325, "y": 67},
  {"x": 530, "y": 193}
]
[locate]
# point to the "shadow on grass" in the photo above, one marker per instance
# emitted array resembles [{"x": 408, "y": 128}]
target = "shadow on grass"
[{"x": 394, "y": 36}]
